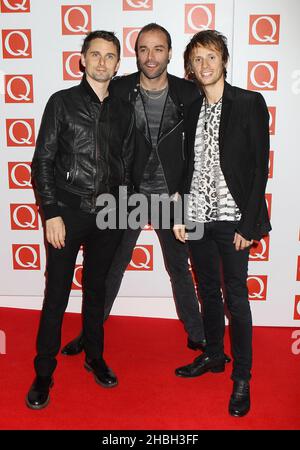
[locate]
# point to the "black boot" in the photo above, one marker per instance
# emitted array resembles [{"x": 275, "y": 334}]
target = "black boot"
[
  {"x": 239, "y": 404},
  {"x": 38, "y": 395},
  {"x": 74, "y": 347}
]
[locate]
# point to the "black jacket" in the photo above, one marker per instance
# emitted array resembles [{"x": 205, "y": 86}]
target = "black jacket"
[
  {"x": 244, "y": 155},
  {"x": 84, "y": 148},
  {"x": 171, "y": 146}
]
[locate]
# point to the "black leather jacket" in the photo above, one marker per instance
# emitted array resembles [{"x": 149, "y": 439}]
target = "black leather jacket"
[
  {"x": 171, "y": 138},
  {"x": 84, "y": 148}
]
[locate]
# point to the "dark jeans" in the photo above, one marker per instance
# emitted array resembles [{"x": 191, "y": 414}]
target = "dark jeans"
[
  {"x": 217, "y": 246},
  {"x": 176, "y": 262},
  {"x": 99, "y": 249}
]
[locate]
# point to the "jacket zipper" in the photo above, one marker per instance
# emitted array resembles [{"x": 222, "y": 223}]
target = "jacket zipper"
[
  {"x": 158, "y": 152},
  {"x": 169, "y": 132},
  {"x": 162, "y": 169},
  {"x": 182, "y": 145},
  {"x": 72, "y": 173},
  {"x": 97, "y": 154},
  {"x": 107, "y": 151}
]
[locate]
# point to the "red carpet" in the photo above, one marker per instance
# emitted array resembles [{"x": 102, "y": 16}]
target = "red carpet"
[{"x": 144, "y": 354}]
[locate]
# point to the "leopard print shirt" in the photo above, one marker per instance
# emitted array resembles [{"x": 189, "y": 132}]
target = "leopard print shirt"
[{"x": 209, "y": 198}]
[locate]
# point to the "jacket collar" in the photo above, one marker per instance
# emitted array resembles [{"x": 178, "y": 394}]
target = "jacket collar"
[{"x": 85, "y": 85}]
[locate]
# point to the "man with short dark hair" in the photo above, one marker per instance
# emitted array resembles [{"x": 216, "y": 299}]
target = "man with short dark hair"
[
  {"x": 228, "y": 151},
  {"x": 84, "y": 148}
]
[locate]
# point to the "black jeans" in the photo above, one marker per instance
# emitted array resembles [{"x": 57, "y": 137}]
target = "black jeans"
[
  {"x": 217, "y": 246},
  {"x": 99, "y": 249},
  {"x": 176, "y": 262}
]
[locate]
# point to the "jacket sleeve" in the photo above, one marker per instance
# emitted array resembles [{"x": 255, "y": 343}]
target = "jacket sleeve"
[
  {"x": 128, "y": 151},
  {"x": 44, "y": 157},
  {"x": 259, "y": 145}
]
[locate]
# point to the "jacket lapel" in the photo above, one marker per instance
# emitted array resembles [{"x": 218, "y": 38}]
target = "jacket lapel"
[
  {"x": 225, "y": 115},
  {"x": 172, "y": 111},
  {"x": 192, "y": 123},
  {"x": 141, "y": 121},
  {"x": 191, "y": 127}
]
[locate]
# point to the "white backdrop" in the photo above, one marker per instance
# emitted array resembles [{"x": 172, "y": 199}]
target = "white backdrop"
[{"x": 40, "y": 41}]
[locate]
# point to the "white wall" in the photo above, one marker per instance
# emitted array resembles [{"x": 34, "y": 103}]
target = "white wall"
[{"x": 148, "y": 292}]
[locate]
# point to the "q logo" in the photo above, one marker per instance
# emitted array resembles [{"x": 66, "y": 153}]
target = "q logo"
[
  {"x": 18, "y": 89},
  {"x": 76, "y": 19},
  {"x": 26, "y": 256},
  {"x": 24, "y": 216},
  {"x": 262, "y": 76},
  {"x": 272, "y": 121},
  {"x": 260, "y": 251},
  {"x": 20, "y": 132},
  {"x": 271, "y": 164},
  {"x": 264, "y": 30},
  {"x": 129, "y": 38},
  {"x": 16, "y": 43},
  {"x": 297, "y": 308},
  {"x": 15, "y": 6},
  {"x": 77, "y": 278},
  {"x": 71, "y": 66},
  {"x": 19, "y": 175},
  {"x": 257, "y": 287},
  {"x": 142, "y": 258},
  {"x": 199, "y": 17},
  {"x": 137, "y": 5}
]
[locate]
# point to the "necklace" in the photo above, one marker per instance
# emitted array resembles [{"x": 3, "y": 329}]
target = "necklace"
[
  {"x": 206, "y": 117},
  {"x": 156, "y": 96}
]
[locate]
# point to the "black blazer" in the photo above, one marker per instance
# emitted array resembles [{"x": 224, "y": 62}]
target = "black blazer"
[{"x": 244, "y": 155}]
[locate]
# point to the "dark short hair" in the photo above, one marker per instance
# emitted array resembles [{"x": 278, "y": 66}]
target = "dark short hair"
[
  {"x": 101, "y": 34},
  {"x": 206, "y": 38},
  {"x": 153, "y": 27}
]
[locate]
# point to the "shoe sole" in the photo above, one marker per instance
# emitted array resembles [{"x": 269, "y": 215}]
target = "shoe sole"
[
  {"x": 239, "y": 415},
  {"x": 90, "y": 369},
  {"x": 36, "y": 407}
]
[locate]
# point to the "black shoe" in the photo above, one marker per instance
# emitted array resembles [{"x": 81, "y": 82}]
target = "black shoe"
[
  {"x": 74, "y": 347},
  {"x": 239, "y": 404},
  {"x": 38, "y": 395},
  {"x": 201, "y": 365},
  {"x": 103, "y": 375},
  {"x": 201, "y": 345}
]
